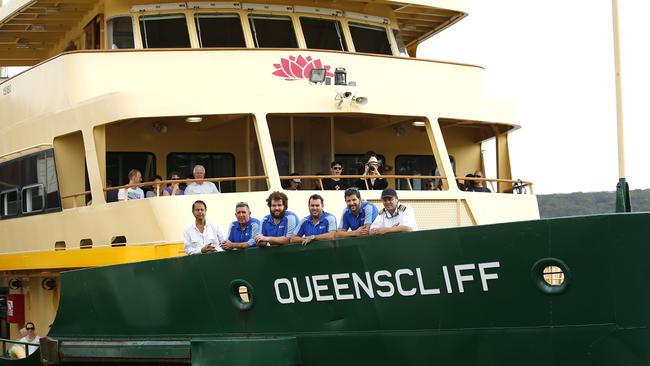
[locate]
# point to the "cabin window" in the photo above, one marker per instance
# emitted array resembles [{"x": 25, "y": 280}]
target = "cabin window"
[
  {"x": 9, "y": 199},
  {"x": 32, "y": 198},
  {"x": 216, "y": 165},
  {"x": 119, "y": 164},
  {"x": 324, "y": 34},
  {"x": 370, "y": 39},
  {"x": 120, "y": 33},
  {"x": 219, "y": 30},
  {"x": 93, "y": 33},
  {"x": 272, "y": 31},
  {"x": 418, "y": 165},
  {"x": 354, "y": 163},
  {"x": 401, "y": 47},
  {"x": 164, "y": 31}
]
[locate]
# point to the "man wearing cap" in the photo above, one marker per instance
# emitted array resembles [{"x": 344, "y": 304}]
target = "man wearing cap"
[
  {"x": 358, "y": 216},
  {"x": 279, "y": 225},
  {"x": 243, "y": 231},
  {"x": 395, "y": 217},
  {"x": 372, "y": 170},
  {"x": 319, "y": 225}
]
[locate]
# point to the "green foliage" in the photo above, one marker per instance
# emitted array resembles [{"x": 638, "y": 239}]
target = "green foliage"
[{"x": 580, "y": 203}]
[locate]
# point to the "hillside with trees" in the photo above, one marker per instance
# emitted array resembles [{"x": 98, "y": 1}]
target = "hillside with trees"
[{"x": 580, "y": 203}]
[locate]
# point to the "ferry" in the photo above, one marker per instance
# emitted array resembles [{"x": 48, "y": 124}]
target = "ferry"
[{"x": 260, "y": 94}]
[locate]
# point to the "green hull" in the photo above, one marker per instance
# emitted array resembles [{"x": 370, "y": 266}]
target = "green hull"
[{"x": 186, "y": 309}]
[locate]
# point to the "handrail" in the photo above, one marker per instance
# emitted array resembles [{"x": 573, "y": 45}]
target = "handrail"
[{"x": 25, "y": 345}]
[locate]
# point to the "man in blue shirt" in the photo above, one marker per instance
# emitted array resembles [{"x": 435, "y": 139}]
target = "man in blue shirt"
[
  {"x": 279, "y": 225},
  {"x": 319, "y": 225},
  {"x": 358, "y": 216},
  {"x": 243, "y": 231}
]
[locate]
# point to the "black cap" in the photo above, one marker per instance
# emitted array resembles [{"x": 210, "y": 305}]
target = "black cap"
[{"x": 388, "y": 192}]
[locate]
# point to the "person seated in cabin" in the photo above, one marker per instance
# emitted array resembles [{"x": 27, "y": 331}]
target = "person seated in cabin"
[
  {"x": 372, "y": 169},
  {"x": 395, "y": 217},
  {"x": 292, "y": 184},
  {"x": 111, "y": 196},
  {"x": 203, "y": 235},
  {"x": 156, "y": 189},
  {"x": 31, "y": 338},
  {"x": 243, "y": 231},
  {"x": 173, "y": 189},
  {"x": 280, "y": 224},
  {"x": 318, "y": 225},
  {"x": 477, "y": 185},
  {"x": 358, "y": 216},
  {"x": 200, "y": 186},
  {"x": 132, "y": 193},
  {"x": 337, "y": 184},
  {"x": 428, "y": 185},
  {"x": 468, "y": 184}
]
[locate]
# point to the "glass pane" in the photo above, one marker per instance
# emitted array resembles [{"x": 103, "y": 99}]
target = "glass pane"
[
  {"x": 9, "y": 175},
  {"x": 401, "y": 47},
  {"x": 370, "y": 39},
  {"x": 164, "y": 31},
  {"x": 120, "y": 33},
  {"x": 216, "y": 165},
  {"x": 324, "y": 34},
  {"x": 220, "y": 30},
  {"x": 53, "y": 199},
  {"x": 33, "y": 200},
  {"x": 9, "y": 202},
  {"x": 273, "y": 31},
  {"x": 118, "y": 165}
]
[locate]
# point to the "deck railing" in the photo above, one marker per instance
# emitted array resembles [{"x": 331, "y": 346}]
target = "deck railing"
[{"x": 12, "y": 350}]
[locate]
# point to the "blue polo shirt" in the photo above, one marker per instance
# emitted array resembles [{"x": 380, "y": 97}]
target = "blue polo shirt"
[
  {"x": 248, "y": 234},
  {"x": 367, "y": 214},
  {"x": 286, "y": 226},
  {"x": 326, "y": 224}
]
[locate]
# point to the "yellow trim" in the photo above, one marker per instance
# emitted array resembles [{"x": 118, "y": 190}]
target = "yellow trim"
[{"x": 92, "y": 257}]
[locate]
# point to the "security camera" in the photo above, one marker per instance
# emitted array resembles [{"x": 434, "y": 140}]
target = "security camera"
[
  {"x": 343, "y": 92},
  {"x": 360, "y": 99}
]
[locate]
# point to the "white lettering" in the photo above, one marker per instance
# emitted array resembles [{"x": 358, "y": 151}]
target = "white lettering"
[
  {"x": 391, "y": 289},
  {"x": 367, "y": 286},
  {"x": 281, "y": 300},
  {"x": 341, "y": 286},
  {"x": 425, "y": 291},
  {"x": 318, "y": 288},
  {"x": 445, "y": 273},
  {"x": 398, "y": 281},
  {"x": 460, "y": 278},
  {"x": 300, "y": 298},
  {"x": 487, "y": 276}
]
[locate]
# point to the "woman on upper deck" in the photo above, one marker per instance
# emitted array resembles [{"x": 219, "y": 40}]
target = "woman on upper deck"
[{"x": 173, "y": 189}]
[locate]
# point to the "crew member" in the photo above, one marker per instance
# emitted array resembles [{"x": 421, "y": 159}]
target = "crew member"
[
  {"x": 358, "y": 216},
  {"x": 395, "y": 217},
  {"x": 242, "y": 231},
  {"x": 280, "y": 224}
]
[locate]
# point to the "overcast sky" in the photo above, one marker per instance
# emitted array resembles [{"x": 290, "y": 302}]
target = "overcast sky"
[{"x": 554, "y": 61}]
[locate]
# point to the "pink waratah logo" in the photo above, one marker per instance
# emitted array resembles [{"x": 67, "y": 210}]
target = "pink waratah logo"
[{"x": 296, "y": 68}]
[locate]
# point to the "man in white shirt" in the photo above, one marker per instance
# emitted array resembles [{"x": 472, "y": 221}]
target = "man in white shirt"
[
  {"x": 202, "y": 236},
  {"x": 395, "y": 217},
  {"x": 200, "y": 187},
  {"x": 133, "y": 193}
]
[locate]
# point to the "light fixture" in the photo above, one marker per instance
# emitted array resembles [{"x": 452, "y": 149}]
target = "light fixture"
[
  {"x": 360, "y": 99},
  {"x": 340, "y": 76},
  {"x": 418, "y": 123},
  {"x": 317, "y": 76},
  {"x": 22, "y": 43},
  {"x": 195, "y": 119},
  {"x": 15, "y": 284},
  {"x": 37, "y": 27}
]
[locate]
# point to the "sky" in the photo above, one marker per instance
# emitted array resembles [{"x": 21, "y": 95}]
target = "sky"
[{"x": 554, "y": 60}]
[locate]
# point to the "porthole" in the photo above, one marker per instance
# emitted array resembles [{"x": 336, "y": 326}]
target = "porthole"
[
  {"x": 551, "y": 275},
  {"x": 242, "y": 294}
]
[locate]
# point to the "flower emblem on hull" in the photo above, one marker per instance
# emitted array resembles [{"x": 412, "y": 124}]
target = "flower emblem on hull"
[{"x": 298, "y": 68}]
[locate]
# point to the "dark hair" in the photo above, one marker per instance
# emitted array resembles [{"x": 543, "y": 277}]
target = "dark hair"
[
  {"x": 336, "y": 162},
  {"x": 278, "y": 196},
  {"x": 199, "y": 201},
  {"x": 242, "y": 204},
  {"x": 352, "y": 191},
  {"x": 156, "y": 177},
  {"x": 316, "y": 197},
  {"x": 173, "y": 173},
  {"x": 28, "y": 323}
]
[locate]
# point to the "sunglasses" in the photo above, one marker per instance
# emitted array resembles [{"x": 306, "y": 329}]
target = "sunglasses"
[
  {"x": 337, "y": 168},
  {"x": 30, "y": 328}
]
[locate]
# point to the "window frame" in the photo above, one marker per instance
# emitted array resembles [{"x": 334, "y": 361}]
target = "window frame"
[
  {"x": 189, "y": 23},
  {"x": 397, "y": 157},
  {"x": 340, "y": 20},
  {"x": 234, "y": 164},
  {"x": 385, "y": 27},
  {"x": 245, "y": 28},
  {"x": 297, "y": 30},
  {"x": 144, "y": 177},
  {"x": 109, "y": 34},
  {"x": 23, "y": 200},
  {"x": 3, "y": 205}
]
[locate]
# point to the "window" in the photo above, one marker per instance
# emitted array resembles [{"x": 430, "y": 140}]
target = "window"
[
  {"x": 354, "y": 163},
  {"x": 401, "y": 47},
  {"x": 324, "y": 34},
  {"x": 219, "y": 30},
  {"x": 164, "y": 31},
  {"x": 418, "y": 165},
  {"x": 32, "y": 198},
  {"x": 120, "y": 33},
  {"x": 370, "y": 39},
  {"x": 93, "y": 33},
  {"x": 272, "y": 31},
  {"x": 216, "y": 165},
  {"x": 9, "y": 201},
  {"x": 118, "y": 165}
]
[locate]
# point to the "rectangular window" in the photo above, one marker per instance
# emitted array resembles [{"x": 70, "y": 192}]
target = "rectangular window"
[
  {"x": 120, "y": 33},
  {"x": 418, "y": 165},
  {"x": 219, "y": 30},
  {"x": 216, "y": 165},
  {"x": 118, "y": 165},
  {"x": 164, "y": 31},
  {"x": 324, "y": 34},
  {"x": 9, "y": 202},
  {"x": 355, "y": 163},
  {"x": 33, "y": 199},
  {"x": 370, "y": 39},
  {"x": 272, "y": 31}
]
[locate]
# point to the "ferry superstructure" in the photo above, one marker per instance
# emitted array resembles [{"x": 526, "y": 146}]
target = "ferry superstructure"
[{"x": 117, "y": 84}]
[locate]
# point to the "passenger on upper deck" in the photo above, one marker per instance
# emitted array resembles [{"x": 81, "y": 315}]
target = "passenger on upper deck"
[
  {"x": 31, "y": 337},
  {"x": 157, "y": 189},
  {"x": 202, "y": 236},
  {"x": 319, "y": 225},
  {"x": 278, "y": 226},
  {"x": 373, "y": 170},
  {"x": 358, "y": 216},
  {"x": 477, "y": 185},
  {"x": 133, "y": 193},
  {"x": 395, "y": 217},
  {"x": 173, "y": 189},
  {"x": 200, "y": 187},
  {"x": 336, "y": 167},
  {"x": 242, "y": 231},
  {"x": 293, "y": 184}
]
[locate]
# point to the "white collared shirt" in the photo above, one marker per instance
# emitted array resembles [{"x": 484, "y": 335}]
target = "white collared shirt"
[
  {"x": 194, "y": 240},
  {"x": 403, "y": 215},
  {"x": 203, "y": 188}
]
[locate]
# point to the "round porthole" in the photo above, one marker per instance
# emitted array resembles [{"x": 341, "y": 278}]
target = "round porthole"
[
  {"x": 241, "y": 293},
  {"x": 551, "y": 275}
]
